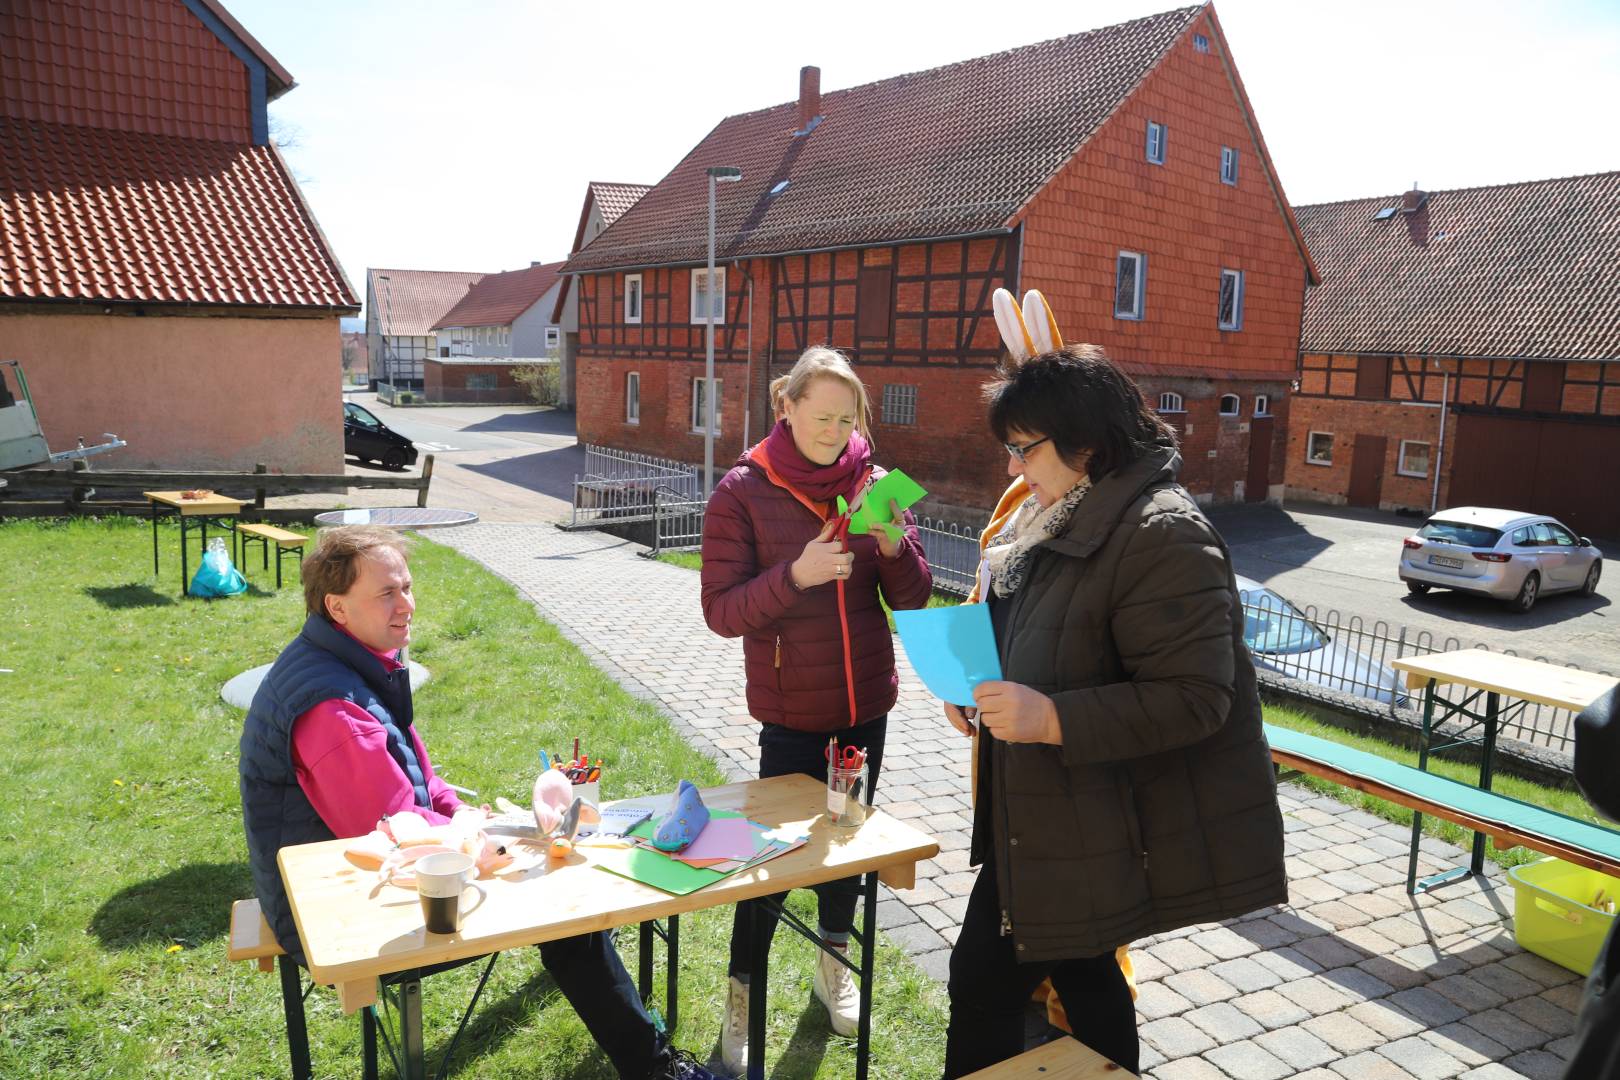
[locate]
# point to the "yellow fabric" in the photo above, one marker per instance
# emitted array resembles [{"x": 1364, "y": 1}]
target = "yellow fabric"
[{"x": 1010, "y": 501}]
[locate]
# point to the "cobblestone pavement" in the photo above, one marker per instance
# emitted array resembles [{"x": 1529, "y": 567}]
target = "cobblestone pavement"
[{"x": 1352, "y": 981}]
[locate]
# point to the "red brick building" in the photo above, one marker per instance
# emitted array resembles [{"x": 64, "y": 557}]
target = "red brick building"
[
  {"x": 1120, "y": 171},
  {"x": 161, "y": 276},
  {"x": 1464, "y": 349}
]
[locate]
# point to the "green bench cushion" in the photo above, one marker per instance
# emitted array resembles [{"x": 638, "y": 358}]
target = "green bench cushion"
[{"x": 1488, "y": 806}]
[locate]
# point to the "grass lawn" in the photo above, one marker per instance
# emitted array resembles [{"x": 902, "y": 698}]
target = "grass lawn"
[{"x": 124, "y": 847}]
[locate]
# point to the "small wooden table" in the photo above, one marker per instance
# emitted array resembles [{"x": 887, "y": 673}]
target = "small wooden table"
[
  {"x": 1494, "y": 676},
  {"x": 1060, "y": 1059},
  {"x": 354, "y": 931},
  {"x": 222, "y": 510}
]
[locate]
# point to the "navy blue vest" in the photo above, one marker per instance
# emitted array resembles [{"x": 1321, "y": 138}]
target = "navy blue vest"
[{"x": 321, "y": 663}]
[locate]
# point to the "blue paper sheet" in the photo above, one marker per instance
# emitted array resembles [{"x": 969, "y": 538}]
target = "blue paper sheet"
[{"x": 952, "y": 648}]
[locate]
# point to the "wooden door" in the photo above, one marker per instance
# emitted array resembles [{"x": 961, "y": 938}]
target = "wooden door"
[
  {"x": 1258, "y": 483},
  {"x": 1367, "y": 470}
]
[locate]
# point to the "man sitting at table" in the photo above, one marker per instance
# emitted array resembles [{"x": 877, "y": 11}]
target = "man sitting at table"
[{"x": 329, "y": 748}]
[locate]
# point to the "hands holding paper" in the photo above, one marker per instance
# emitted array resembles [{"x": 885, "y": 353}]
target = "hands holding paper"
[
  {"x": 888, "y": 541},
  {"x": 1013, "y": 712}
]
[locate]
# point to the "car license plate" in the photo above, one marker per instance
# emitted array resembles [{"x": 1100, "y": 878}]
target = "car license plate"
[{"x": 1441, "y": 560}]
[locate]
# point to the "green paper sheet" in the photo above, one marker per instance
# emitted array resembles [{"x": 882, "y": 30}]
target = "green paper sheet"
[
  {"x": 655, "y": 868},
  {"x": 874, "y": 509}
]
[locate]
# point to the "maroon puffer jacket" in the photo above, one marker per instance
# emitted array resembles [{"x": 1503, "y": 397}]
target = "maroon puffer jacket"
[{"x": 794, "y": 643}]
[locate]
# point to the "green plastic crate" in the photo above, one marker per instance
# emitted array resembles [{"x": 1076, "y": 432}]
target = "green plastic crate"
[{"x": 1553, "y": 914}]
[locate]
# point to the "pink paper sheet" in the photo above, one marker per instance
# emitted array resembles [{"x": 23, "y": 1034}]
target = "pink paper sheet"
[{"x": 723, "y": 838}]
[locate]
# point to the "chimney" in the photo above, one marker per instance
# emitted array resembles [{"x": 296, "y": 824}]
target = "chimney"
[
  {"x": 809, "y": 95},
  {"x": 1413, "y": 200}
]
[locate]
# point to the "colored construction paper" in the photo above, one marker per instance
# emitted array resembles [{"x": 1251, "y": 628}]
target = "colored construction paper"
[
  {"x": 723, "y": 838},
  {"x": 874, "y": 508},
  {"x": 654, "y": 868},
  {"x": 952, "y": 648}
]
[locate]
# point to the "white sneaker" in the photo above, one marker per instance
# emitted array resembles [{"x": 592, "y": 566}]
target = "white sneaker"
[
  {"x": 834, "y": 985},
  {"x": 734, "y": 1033}
]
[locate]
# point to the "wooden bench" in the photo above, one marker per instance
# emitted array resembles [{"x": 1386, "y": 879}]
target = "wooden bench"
[
  {"x": 1060, "y": 1059},
  {"x": 284, "y": 539},
  {"x": 252, "y": 939},
  {"x": 1507, "y": 821}
]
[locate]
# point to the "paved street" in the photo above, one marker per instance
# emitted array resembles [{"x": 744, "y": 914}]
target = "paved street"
[
  {"x": 1352, "y": 981},
  {"x": 1345, "y": 560}
]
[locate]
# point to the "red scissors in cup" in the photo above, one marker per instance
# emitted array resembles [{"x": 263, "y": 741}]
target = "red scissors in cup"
[{"x": 849, "y": 758}]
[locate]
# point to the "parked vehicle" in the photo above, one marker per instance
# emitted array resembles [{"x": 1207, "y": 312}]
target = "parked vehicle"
[
  {"x": 368, "y": 439},
  {"x": 1505, "y": 554},
  {"x": 1283, "y": 639}
]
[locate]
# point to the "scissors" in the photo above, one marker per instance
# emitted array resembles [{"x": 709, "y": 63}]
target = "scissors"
[{"x": 848, "y": 758}]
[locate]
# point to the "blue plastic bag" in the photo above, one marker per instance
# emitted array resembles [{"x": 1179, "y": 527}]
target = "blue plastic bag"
[{"x": 216, "y": 576}]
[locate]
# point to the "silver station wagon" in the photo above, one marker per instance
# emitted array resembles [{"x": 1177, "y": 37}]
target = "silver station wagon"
[{"x": 1504, "y": 554}]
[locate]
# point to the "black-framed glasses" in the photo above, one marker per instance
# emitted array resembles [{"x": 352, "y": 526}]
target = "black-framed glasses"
[{"x": 1022, "y": 452}]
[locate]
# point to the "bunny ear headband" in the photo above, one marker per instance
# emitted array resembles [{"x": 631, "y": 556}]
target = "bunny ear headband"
[{"x": 1029, "y": 332}]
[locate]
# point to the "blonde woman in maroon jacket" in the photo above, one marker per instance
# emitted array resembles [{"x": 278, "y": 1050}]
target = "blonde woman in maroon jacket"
[{"x": 816, "y": 644}]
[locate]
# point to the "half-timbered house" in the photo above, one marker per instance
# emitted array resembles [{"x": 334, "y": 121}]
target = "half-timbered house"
[
  {"x": 1464, "y": 349},
  {"x": 1120, "y": 170}
]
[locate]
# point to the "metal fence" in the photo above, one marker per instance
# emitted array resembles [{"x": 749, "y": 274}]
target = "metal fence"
[
  {"x": 953, "y": 553},
  {"x": 621, "y": 486},
  {"x": 1348, "y": 655},
  {"x": 677, "y": 524}
]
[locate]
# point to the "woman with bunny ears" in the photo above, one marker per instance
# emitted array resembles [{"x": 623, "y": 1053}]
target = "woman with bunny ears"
[
  {"x": 1125, "y": 784},
  {"x": 781, "y": 572}
]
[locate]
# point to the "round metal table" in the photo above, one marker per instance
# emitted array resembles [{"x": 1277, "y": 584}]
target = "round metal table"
[{"x": 398, "y": 517}]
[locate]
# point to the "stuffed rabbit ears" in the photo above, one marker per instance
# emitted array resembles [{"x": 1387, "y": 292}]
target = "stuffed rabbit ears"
[{"x": 1027, "y": 332}]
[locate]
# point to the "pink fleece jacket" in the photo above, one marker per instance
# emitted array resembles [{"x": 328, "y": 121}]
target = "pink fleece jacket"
[{"x": 340, "y": 753}]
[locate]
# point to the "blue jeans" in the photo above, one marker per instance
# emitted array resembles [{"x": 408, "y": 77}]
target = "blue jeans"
[{"x": 783, "y": 752}]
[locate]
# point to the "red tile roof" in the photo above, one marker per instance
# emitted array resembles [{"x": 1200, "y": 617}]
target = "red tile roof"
[
  {"x": 411, "y": 301},
  {"x": 615, "y": 199},
  {"x": 1517, "y": 270},
  {"x": 498, "y": 299},
  {"x": 89, "y": 214},
  {"x": 953, "y": 151}
]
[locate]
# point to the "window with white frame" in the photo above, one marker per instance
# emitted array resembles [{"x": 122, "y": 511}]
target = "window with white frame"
[
  {"x": 1229, "y": 165},
  {"x": 1319, "y": 448},
  {"x": 1414, "y": 459},
  {"x": 699, "y": 407},
  {"x": 506, "y": 335},
  {"x": 1230, "y": 405},
  {"x": 1130, "y": 276},
  {"x": 1171, "y": 402},
  {"x": 1155, "y": 143},
  {"x": 899, "y": 404},
  {"x": 1201, "y": 43},
  {"x": 1231, "y": 301},
  {"x": 553, "y": 336},
  {"x": 632, "y": 298},
  {"x": 1262, "y": 404},
  {"x": 702, "y": 295},
  {"x": 632, "y": 397}
]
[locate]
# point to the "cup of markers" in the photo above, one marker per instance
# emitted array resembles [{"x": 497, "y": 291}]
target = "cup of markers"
[{"x": 584, "y": 774}]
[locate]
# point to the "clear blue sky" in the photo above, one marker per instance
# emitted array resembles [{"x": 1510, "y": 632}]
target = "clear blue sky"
[{"x": 460, "y": 136}]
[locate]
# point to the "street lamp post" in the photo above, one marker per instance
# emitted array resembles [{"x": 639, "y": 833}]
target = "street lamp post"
[{"x": 723, "y": 174}]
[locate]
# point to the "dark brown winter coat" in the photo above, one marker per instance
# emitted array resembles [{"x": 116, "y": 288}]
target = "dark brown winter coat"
[{"x": 1160, "y": 808}]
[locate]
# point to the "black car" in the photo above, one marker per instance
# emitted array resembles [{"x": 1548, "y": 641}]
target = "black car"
[{"x": 368, "y": 438}]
